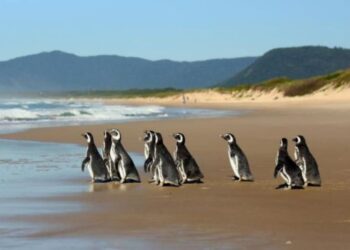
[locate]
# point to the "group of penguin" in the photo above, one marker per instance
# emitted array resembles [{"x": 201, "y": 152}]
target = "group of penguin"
[{"x": 115, "y": 164}]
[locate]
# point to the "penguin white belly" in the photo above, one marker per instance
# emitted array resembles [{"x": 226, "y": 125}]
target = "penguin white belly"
[
  {"x": 234, "y": 165},
  {"x": 156, "y": 174},
  {"x": 90, "y": 170},
  {"x": 303, "y": 169},
  {"x": 160, "y": 172},
  {"x": 296, "y": 153},
  {"x": 113, "y": 156},
  {"x": 286, "y": 177},
  {"x": 109, "y": 168},
  {"x": 121, "y": 169},
  {"x": 181, "y": 171},
  {"x": 146, "y": 151}
]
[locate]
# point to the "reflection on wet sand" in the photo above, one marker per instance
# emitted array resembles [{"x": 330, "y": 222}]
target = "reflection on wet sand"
[{"x": 100, "y": 187}]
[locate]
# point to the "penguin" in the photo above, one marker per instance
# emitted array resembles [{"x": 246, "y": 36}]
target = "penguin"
[
  {"x": 187, "y": 166},
  {"x": 306, "y": 162},
  {"x": 287, "y": 168},
  {"x": 107, "y": 143},
  {"x": 238, "y": 160},
  {"x": 95, "y": 164},
  {"x": 165, "y": 169},
  {"x": 106, "y": 149},
  {"x": 121, "y": 161},
  {"x": 149, "y": 140}
]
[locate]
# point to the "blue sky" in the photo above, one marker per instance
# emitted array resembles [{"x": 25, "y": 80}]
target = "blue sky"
[{"x": 174, "y": 29}]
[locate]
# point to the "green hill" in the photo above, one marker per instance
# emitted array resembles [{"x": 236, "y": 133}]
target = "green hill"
[
  {"x": 293, "y": 63},
  {"x": 60, "y": 71}
]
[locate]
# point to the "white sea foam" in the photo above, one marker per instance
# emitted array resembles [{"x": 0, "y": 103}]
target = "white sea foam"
[
  {"x": 25, "y": 113},
  {"x": 51, "y": 110}
]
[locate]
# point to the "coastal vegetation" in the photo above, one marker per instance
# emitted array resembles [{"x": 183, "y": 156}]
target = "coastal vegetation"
[{"x": 287, "y": 87}]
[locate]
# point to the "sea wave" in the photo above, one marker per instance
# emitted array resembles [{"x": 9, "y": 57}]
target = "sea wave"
[
  {"x": 72, "y": 111},
  {"x": 22, "y": 114}
]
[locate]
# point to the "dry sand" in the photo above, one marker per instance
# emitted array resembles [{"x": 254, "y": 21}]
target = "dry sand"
[{"x": 221, "y": 213}]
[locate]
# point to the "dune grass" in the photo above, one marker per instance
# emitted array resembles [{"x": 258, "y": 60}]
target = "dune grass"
[
  {"x": 292, "y": 88},
  {"x": 132, "y": 93},
  {"x": 286, "y": 86}
]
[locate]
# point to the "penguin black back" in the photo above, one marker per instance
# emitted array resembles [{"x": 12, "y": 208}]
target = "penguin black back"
[
  {"x": 107, "y": 143},
  {"x": 149, "y": 139}
]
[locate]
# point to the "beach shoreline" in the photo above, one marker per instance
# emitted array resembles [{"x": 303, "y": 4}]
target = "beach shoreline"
[{"x": 220, "y": 210}]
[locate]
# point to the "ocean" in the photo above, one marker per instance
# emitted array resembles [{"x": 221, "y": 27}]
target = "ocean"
[
  {"x": 32, "y": 173},
  {"x": 21, "y": 114}
]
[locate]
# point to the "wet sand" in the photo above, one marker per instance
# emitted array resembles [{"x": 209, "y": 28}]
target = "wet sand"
[{"x": 218, "y": 213}]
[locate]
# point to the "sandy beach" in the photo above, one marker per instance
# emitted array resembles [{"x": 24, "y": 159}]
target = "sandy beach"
[{"x": 220, "y": 214}]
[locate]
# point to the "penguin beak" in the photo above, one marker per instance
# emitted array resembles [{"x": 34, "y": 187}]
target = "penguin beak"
[
  {"x": 174, "y": 135},
  {"x": 223, "y": 137},
  {"x": 83, "y": 135},
  {"x": 295, "y": 139}
]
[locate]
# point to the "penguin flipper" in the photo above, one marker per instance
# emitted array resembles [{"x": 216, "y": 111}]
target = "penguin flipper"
[
  {"x": 86, "y": 160},
  {"x": 278, "y": 168},
  {"x": 146, "y": 166}
]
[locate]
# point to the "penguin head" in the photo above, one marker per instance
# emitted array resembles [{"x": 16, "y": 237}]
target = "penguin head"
[
  {"x": 149, "y": 136},
  {"x": 299, "y": 140},
  {"x": 106, "y": 135},
  {"x": 88, "y": 136},
  {"x": 159, "y": 138},
  {"x": 284, "y": 143},
  {"x": 116, "y": 135},
  {"x": 230, "y": 138},
  {"x": 179, "y": 137}
]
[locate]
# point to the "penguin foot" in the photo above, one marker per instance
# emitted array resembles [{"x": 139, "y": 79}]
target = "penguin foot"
[
  {"x": 132, "y": 181},
  {"x": 235, "y": 178},
  {"x": 284, "y": 185},
  {"x": 313, "y": 185},
  {"x": 197, "y": 181}
]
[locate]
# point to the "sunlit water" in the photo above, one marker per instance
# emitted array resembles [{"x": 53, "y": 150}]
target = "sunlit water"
[{"x": 31, "y": 172}]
